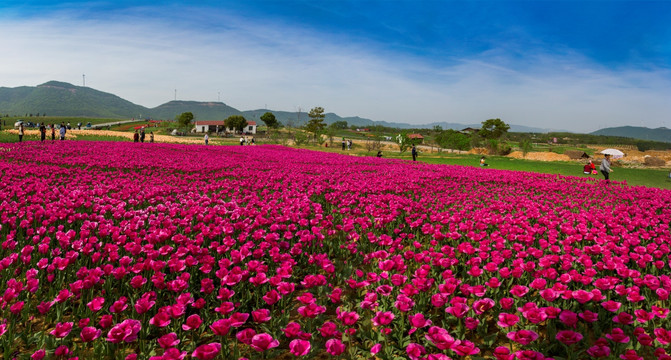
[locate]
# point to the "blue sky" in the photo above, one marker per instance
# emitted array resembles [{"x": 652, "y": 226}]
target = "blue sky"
[{"x": 575, "y": 65}]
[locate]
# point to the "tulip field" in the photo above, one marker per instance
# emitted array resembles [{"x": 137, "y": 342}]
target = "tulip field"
[{"x": 168, "y": 251}]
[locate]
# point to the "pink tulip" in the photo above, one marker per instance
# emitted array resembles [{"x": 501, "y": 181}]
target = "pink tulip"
[
  {"x": 507, "y": 320},
  {"x": 263, "y": 342},
  {"x": 207, "y": 351},
  {"x": 261, "y": 315},
  {"x": 126, "y": 331},
  {"x": 168, "y": 341},
  {"x": 89, "y": 334},
  {"x": 192, "y": 322},
  {"x": 415, "y": 351},
  {"x": 299, "y": 347},
  {"x": 62, "y": 330},
  {"x": 221, "y": 327},
  {"x": 523, "y": 336},
  {"x": 568, "y": 337},
  {"x": 383, "y": 318},
  {"x": 335, "y": 347},
  {"x": 440, "y": 338}
]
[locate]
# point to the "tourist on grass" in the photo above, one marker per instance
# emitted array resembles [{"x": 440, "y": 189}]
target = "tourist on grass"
[
  {"x": 482, "y": 162},
  {"x": 136, "y": 137},
  {"x": 343, "y": 144},
  {"x": 62, "y": 131},
  {"x": 589, "y": 168},
  {"x": 605, "y": 167},
  {"x": 414, "y": 152},
  {"x": 20, "y": 132},
  {"x": 379, "y": 154},
  {"x": 142, "y": 135},
  {"x": 43, "y": 132},
  {"x": 53, "y": 133},
  {"x": 207, "y": 138},
  {"x": 242, "y": 140},
  {"x": 151, "y": 136}
]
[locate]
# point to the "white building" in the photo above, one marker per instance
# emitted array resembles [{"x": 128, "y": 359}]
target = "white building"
[
  {"x": 249, "y": 129},
  {"x": 210, "y": 126}
]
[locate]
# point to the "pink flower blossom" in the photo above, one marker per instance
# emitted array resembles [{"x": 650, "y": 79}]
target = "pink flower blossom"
[
  {"x": 263, "y": 342},
  {"x": 207, "y": 351},
  {"x": 299, "y": 347}
]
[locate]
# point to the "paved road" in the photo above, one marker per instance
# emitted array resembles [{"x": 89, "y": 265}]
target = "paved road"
[{"x": 97, "y": 126}]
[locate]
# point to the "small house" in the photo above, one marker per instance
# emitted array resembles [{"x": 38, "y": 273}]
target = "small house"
[
  {"x": 469, "y": 130},
  {"x": 416, "y": 138},
  {"x": 215, "y": 126}
]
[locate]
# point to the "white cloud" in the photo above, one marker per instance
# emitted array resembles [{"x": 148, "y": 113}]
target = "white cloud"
[{"x": 255, "y": 63}]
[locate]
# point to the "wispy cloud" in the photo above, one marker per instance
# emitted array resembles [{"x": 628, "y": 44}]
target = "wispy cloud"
[{"x": 145, "y": 54}]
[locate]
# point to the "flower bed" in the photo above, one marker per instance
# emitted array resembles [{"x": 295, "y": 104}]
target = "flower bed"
[{"x": 113, "y": 250}]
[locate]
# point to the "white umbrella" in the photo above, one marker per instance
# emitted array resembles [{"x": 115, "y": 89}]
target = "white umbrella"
[{"x": 613, "y": 152}]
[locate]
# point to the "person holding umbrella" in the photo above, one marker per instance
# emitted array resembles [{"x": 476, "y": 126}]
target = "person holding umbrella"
[{"x": 605, "y": 166}]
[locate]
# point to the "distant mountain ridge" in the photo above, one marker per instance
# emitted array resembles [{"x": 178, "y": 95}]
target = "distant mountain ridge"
[
  {"x": 637, "y": 132},
  {"x": 55, "y": 98}
]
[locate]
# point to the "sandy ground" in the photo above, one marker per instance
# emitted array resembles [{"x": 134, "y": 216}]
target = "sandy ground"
[
  {"x": 541, "y": 156},
  {"x": 72, "y": 134}
]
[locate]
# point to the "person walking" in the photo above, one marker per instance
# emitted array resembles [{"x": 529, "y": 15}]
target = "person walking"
[
  {"x": 43, "y": 132},
  {"x": 207, "y": 138},
  {"x": 414, "y": 153},
  {"x": 343, "y": 144},
  {"x": 136, "y": 137},
  {"x": 242, "y": 140},
  {"x": 605, "y": 167},
  {"x": 62, "y": 131},
  {"x": 142, "y": 135},
  {"x": 151, "y": 136},
  {"x": 20, "y": 132},
  {"x": 53, "y": 133}
]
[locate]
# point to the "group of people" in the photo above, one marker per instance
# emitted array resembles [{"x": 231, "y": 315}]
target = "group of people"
[
  {"x": 346, "y": 144},
  {"x": 62, "y": 130},
  {"x": 604, "y": 167},
  {"x": 244, "y": 141},
  {"x": 139, "y": 137}
]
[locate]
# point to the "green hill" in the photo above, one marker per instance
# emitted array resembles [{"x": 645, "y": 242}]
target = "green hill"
[
  {"x": 200, "y": 110},
  {"x": 636, "y": 132},
  {"x": 62, "y": 99}
]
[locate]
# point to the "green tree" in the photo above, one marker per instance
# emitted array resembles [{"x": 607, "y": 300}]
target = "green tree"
[
  {"x": 452, "y": 139},
  {"x": 236, "y": 122},
  {"x": 526, "y": 146},
  {"x": 403, "y": 141},
  {"x": 339, "y": 125},
  {"x": 270, "y": 120},
  {"x": 493, "y": 129},
  {"x": 184, "y": 120},
  {"x": 316, "y": 122}
]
